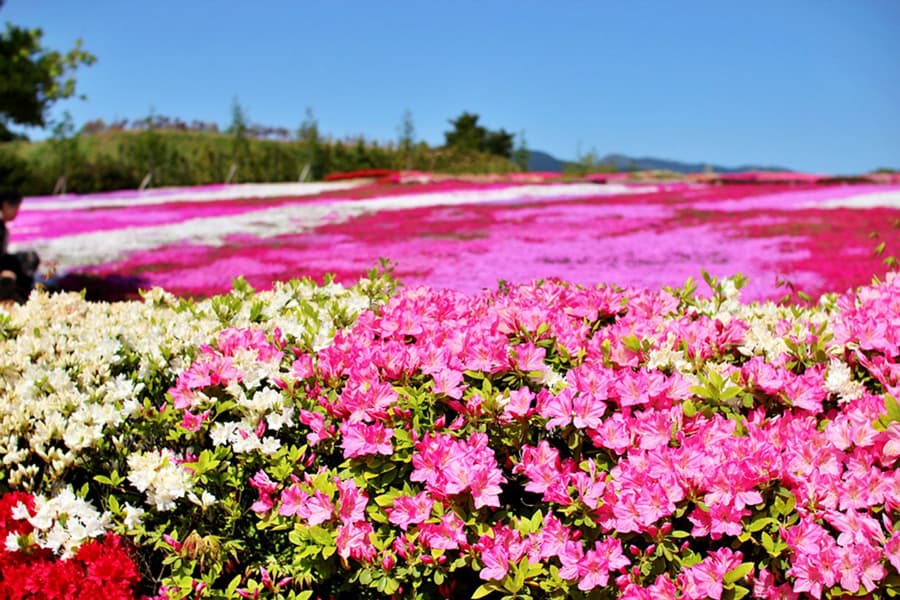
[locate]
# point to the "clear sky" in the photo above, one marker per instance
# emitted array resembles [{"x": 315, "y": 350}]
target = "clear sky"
[{"x": 811, "y": 85}]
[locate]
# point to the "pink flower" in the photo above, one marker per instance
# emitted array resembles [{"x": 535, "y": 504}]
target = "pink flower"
[
  {"x": 352, "y": 501},
  {"x": 529, "y": 357},
  {"x": 571, "y": 556},
  {"x": 485, "y": 486},
  {"x": 318, "y": 509},
  {"x": 292, "y": 500},
  {"x": 705, "y": 580},
  {"x": 892, "y": 550},
  {"x": 632, "y": 388},
  {"x": 519, "y": 404},
  {"x": 891, "y": 448},
  {"x": 552, "y": 538},
  {"x": 316, "y": 422},
  {"x": 448, "y": 382},
  {"x": 354, "y": 540},
  {"x": 540, "y": 465},
  {"x": 814, "y": 573},
  {"x": 408, "y": 510},
  {"x": 496, "y": 563},
  {"x": 582, "y": 410},
  {"x": 192, "y": 422},
  {"x": 596, "y": 565},
  {"x": 448, "y": 534},
  {"x": 302, "y": 368},
  {"x": 860, "y": 564},
  {"x": 359, "y": 439}
]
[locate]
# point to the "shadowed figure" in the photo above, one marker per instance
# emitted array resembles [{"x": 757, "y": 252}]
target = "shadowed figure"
[{"x": 17, "y": 269}]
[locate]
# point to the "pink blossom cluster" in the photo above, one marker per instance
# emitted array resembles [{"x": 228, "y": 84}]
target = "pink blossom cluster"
[
  {"x": 638, "y": 441},
  {"x": 814, "y": 236}
]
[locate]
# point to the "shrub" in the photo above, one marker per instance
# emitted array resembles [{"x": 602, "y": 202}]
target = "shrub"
[{"x": 543, "y": 440}]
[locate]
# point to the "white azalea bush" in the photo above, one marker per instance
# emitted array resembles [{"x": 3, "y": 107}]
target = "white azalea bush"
[{"x": 536, "y": 441}]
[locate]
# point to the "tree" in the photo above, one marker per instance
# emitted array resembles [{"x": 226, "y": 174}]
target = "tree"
[
  {"x": 467, "y": 134},
  {"x": 32, "y": 77},
  {"x": 309, "y": 128},
  {"x": 240, "y": 148},
  {"x": 314, "y": 152},
  {"x": 522, "y": 153},
  {"x": 407, "y": 132},
  {"x": 64, "y": 147},
  {"x": 499, "y": 143}
]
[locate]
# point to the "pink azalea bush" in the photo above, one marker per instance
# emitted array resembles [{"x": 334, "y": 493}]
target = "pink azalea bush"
[{"x": 546, "y": 440}]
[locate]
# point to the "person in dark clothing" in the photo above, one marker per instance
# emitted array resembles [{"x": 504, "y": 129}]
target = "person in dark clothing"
[{"x": 16, "y": 270}]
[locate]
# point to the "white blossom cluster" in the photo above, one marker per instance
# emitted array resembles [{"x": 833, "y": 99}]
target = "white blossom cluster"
[
  {"x": 839, "y": 380},
  {"x": 61, "y": 524},
  {"x": 159, "y": 475},
  {"x": 73, "y": 372}
]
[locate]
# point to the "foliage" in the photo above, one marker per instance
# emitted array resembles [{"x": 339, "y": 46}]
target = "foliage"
[
  {"x": 537, "y": 441},
  {"x": 522, "y": 153},
  {"x": 117, "y": 158},
  {"x": 32, "y": 77},
  {"x": 468, "y": 135},
  {"x": 589, "y": 162}
]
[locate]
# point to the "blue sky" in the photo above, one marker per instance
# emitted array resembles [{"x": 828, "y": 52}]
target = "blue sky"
[{"x": 808, "y": 84}]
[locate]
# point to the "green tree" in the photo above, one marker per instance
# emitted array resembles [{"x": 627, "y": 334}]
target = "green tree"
[
  {"x": 407, "y": 132},
  {"x": 468, "y": 135},
  {"x": 313, "y": 153},
  {"x": 64, "y": 147},
  {"x": 522, "y": 153},
  {"x": 240, "y": 148},
  {"x": 32, "y": 77},
  {"x": 590, "y": 162},
  {"x": 406, "y": 140}
]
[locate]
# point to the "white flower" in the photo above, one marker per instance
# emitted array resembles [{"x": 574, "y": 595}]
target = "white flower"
[
  {"x": 13, "y": 542},
  {"x": 132, "y": 515},
  {"x": 270, "y": 446},
  {"x": 20, "y": 512},
  {"x": 64, "y": 522},
  {"x": 838, "y": 380},
  {"x": 205, "y": 500},
  {"x": 159, "y": 475},
  {"x": 277, "y": 420}
]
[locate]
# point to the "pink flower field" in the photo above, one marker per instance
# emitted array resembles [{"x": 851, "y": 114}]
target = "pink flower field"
[{"x": 466, "y": 235}]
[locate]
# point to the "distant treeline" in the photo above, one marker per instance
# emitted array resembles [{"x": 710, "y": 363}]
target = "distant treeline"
[{"x": 160, "y": 151}]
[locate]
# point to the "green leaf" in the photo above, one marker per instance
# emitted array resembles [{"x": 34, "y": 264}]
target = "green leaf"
[
  {"x": 739, "y": 572},
  {"x": 892, "y": 406},
  {"x": 232, "y": 586},
  {"x": 760, "y": 524},
  {"x": 632, "y": 342},
  {"x": 485, "y": 589},
  {"x": 689, "y": 408},
  {"x": 321, "y": 536},
  {"x": 740, "y": 592}
]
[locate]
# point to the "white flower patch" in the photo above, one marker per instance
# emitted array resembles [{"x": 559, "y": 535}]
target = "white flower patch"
[
  {"x": 71, "y": 371},
  {"x": 62, "y": 523},
  {"x": 839, "y": 381},
  {"x": 242, "y": 438},
  {"x": 158, "y": 474}
]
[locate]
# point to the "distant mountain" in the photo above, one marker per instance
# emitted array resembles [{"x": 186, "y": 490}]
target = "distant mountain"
[{"x": 542, "y": 161}]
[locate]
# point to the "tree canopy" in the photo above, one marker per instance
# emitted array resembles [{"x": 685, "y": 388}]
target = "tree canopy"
[
  {"x": 33, "y": 77},
  {"x": 467, "y": 134}
]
